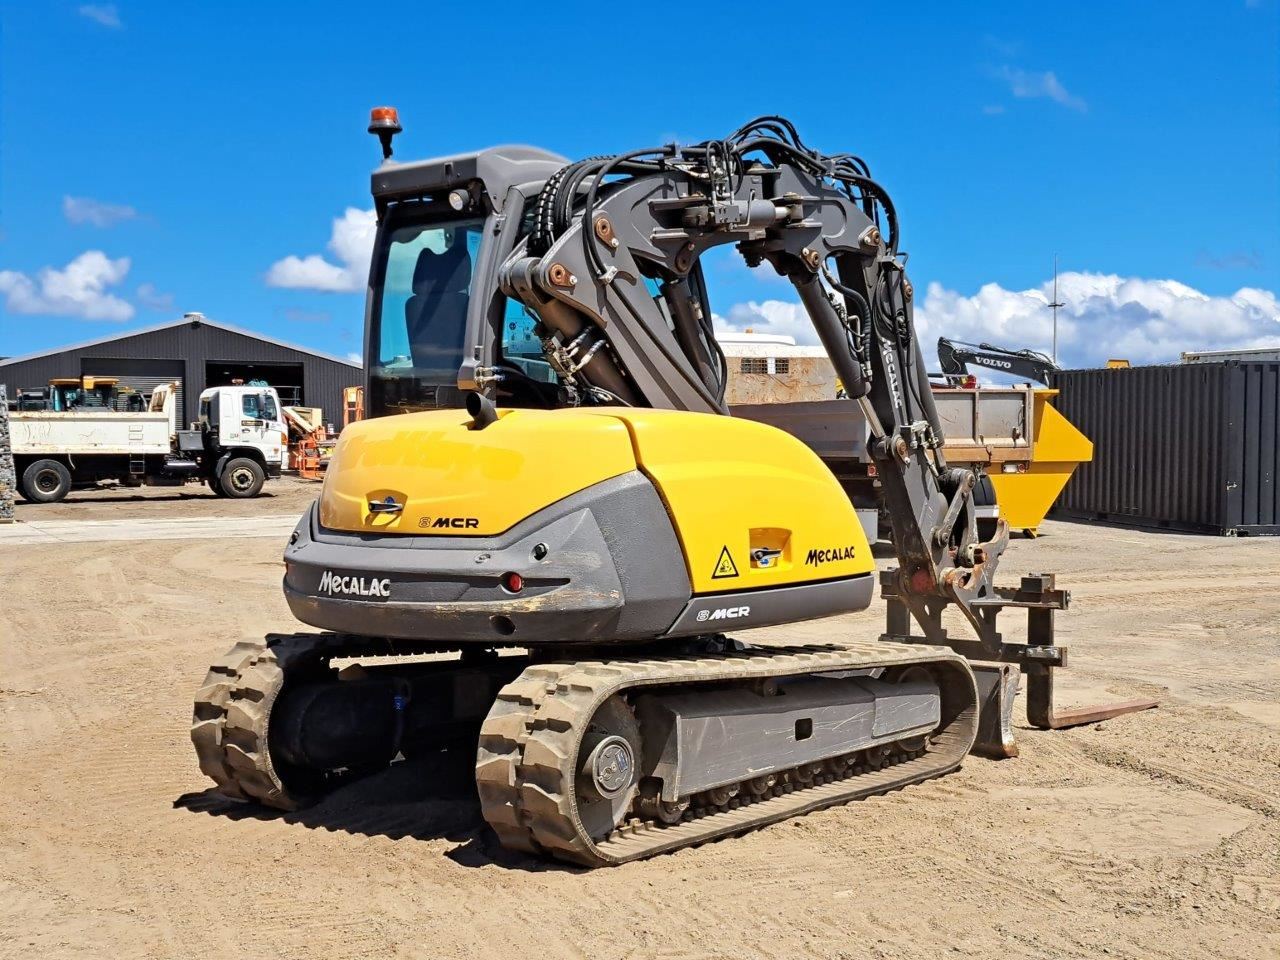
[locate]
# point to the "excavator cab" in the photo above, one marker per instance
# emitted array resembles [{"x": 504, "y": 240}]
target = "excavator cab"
[{"x": 443, "y": 227}]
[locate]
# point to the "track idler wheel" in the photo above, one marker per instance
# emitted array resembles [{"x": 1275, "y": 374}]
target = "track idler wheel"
[
  {"x": 230, "y": 727},
  {"x": 608, "y": 775}
]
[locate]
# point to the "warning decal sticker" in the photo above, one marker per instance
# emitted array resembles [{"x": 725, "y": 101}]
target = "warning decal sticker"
[{"x": 725, "y": 567}]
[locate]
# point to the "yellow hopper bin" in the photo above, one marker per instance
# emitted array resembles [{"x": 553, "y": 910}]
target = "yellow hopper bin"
[{"x": 1027, "y": 491}]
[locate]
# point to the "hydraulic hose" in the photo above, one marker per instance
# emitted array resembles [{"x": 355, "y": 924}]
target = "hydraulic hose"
[{"x": 831, "y": 332}]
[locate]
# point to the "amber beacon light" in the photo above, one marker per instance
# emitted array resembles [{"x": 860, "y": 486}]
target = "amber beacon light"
[{"x": 385, "y": 122}]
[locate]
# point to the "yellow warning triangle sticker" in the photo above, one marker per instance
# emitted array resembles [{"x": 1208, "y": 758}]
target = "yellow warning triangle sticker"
[{"x": 724, "y": 566}]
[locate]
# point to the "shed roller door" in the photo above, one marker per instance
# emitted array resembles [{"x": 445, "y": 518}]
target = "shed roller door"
[{"x": 141, "y": 375}]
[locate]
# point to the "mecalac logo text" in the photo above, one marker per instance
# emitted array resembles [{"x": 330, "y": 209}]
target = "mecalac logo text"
[
  {"x": 450, "y": 523},
  {"x": 816, "y": 557},
  {"x": 724, "y": 613},
  {"x": 332, "y": 583}
]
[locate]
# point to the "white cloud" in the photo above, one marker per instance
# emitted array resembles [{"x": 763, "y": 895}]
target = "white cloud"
[
  {"x": 355, "y": 357},
  {"x": 1028, "y": 84},
  {"x": 768, "y": 316},
  {"x": 351, "y": 244},
  {"x": 77, "y": 290},
  {"x": 1144, "y": 321},
  {"x": 81, "y": 210},
  {"x": 105, "y": 14},
  {"x": 153, "y": 299}
]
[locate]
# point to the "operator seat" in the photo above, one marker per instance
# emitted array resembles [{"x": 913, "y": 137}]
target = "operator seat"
[{"x": 436, "y": 314}]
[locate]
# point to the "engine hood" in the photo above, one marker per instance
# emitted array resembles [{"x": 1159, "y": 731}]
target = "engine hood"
[{"x": 451, "y": 480}]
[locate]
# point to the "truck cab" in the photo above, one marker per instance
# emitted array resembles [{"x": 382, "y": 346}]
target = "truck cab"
[{"x": 240, "y": 425}]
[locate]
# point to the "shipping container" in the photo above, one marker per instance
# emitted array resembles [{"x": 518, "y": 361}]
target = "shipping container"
[{"x": 1192, "y": 446}]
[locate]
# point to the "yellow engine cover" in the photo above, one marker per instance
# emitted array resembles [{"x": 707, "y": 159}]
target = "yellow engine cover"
[
  {"x": 751, "y": 505},
  {"x": 733, "y": 487},
  {"x": 455, "y": 481}
]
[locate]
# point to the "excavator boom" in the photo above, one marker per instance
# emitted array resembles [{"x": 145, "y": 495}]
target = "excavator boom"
[{"x": 955, "y": 356}]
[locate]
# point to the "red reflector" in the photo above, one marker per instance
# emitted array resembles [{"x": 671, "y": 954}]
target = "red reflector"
[{"x": 513, "y": 582}]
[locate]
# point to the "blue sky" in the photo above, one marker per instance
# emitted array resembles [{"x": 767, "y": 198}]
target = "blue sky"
[{"x": 157, "y": 158}]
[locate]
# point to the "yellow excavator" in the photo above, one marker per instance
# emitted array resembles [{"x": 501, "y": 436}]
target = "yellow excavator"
[{"x": 550, "y": 497}]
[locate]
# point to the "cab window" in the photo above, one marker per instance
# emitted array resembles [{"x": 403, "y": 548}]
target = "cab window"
[
  {"x": 520, "y": 345},
  {"x": 426, "y": 283},
  {"x": 260, "y": 406}
]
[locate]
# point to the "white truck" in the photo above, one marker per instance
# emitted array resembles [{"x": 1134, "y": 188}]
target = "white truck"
[{"x": 239, "y": 441}]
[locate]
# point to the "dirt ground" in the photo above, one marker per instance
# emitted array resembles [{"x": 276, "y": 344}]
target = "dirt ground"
[{"x": 1152, "y": 835}]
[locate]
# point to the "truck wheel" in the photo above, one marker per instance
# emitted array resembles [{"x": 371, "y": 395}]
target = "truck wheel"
[
  {"x": 46, "y": 481},
  {"x": 242, "y": 478},
  {"x": 215, "y": 484}
]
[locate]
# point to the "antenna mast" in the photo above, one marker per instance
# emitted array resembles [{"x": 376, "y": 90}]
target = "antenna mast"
[{"x": 1055, "y": 304}]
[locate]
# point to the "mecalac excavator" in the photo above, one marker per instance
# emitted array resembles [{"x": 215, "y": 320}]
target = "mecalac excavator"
[{"x": 563, "y": 512}]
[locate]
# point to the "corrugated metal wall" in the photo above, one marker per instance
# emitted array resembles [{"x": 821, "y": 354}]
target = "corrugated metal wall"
[
  {"x": 144, "y": 375},
  {"x": 1191, "y": 446},
  {"x": 1253, "y": 448},
  {"x": 195, "y": 343}
]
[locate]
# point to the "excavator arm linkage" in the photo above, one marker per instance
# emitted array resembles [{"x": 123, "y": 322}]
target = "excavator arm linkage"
[
  {"x": 613, "y": 286},
  {"x": 610, "y": 271}
]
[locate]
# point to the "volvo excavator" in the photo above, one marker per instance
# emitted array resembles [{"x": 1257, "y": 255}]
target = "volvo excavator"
[
  {"x": 955, "y": 356},
  {"x": 536, "y": 545}
]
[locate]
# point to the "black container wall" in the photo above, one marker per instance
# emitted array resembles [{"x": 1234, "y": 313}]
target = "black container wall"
[{"x": 1191, "y": 446}]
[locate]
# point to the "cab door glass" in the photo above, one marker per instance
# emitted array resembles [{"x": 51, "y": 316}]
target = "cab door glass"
[
  {"x": 520, "y": 345},
  {"x": 425, "y": 294},
  {"x": 260, "y": 406}
]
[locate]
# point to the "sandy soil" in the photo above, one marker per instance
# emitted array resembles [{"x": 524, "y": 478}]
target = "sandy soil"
[{"x": 1154, "y": 835}]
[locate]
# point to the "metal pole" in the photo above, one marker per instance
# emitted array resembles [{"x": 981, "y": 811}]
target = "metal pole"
[{"x": 1055, "y": 305}]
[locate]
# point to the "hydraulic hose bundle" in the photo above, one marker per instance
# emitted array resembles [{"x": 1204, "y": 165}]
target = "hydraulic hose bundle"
[{"x": 717, "y": 167}]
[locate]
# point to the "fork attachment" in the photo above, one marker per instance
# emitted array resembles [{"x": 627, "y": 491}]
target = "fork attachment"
[{"x": 998, "y": 665}]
